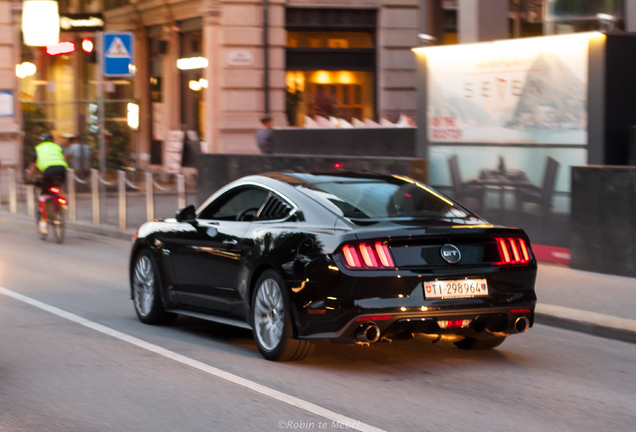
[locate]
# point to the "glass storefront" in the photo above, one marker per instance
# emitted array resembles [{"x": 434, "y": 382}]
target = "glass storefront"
[
  {"x": 343, "y": 94},
  {"x": 193, "y": 85},
  {"x": 331, "y": 64}
]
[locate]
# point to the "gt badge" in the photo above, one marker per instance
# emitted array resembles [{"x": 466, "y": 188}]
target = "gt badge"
[{"x": 450, "y": 253}]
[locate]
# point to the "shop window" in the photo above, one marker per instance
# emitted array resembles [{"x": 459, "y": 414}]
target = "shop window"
[
  {"x": 330, "y": 40},
  {"x": 341, "y": 94}
]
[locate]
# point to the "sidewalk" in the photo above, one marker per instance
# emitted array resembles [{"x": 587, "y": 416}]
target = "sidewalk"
[{"x": 592, "y": 303}]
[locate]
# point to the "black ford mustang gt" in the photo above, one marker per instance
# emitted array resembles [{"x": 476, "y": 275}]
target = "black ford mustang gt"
[{"x": 348, "y": 257}]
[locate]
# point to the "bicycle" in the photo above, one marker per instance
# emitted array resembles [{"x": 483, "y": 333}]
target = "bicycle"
[{"x": 51, "y": 213}]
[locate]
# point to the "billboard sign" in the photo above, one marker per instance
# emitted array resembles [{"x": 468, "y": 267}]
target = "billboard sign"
[{"x": 523, "y": 91}]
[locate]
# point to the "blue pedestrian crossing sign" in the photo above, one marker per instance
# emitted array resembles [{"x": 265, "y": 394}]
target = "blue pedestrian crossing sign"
[{"x": 118, "y": 54}]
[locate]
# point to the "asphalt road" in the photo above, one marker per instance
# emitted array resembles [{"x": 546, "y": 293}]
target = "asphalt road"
[{"x": 73, "y": 357}]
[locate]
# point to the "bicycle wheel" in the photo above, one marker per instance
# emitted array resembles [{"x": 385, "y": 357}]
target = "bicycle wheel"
[{"x": 56, "y": 223}]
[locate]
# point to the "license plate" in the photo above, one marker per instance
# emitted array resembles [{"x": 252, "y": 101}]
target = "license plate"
[{"x": 461, "y": 288}]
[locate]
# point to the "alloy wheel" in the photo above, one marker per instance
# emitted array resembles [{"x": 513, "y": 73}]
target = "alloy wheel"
[{"x": 269, "y": 314}]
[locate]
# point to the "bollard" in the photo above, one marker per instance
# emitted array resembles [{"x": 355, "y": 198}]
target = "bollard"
[
  {"x": 95, "y": 194},
  {"x": 13, "y": 192},
  {"x": 72, "y": 204},
  {"x": 181, "y": 192},
  {"x": 150, "y": 201},
  {"x": 121, "y": 187},
  {"x": 30, "y": 201}
]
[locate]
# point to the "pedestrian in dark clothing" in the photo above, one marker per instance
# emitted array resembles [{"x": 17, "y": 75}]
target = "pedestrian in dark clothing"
[{"x": 264, "y": 135}]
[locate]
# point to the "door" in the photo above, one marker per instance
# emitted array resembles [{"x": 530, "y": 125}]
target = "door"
[{"x": 208, "y": 260}]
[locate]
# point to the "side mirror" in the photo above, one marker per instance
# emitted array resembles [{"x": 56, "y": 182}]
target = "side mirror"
[{"x": 187, "y": 215}]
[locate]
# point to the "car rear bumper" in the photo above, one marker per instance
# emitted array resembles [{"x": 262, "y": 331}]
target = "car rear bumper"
[{"x": 479, "y": 323}]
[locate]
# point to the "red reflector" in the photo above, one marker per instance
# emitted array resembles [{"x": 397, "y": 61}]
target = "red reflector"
[
  {"x": 519, "y": 311},
  {"x": 317, "y": 311},
  {"x": 365, "y": 255},
  {"x": 455, "y": 324},
  {"x": 512, "y": 250},
  {"x": 375, "y": 318}
]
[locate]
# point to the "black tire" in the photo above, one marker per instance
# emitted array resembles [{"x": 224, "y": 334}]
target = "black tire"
[
  {"x": 480, "y": 344},
  {"x": 57, "y": 225},
  {"x": 146, "y": 291},
  {"x": 271, "y": 321}
]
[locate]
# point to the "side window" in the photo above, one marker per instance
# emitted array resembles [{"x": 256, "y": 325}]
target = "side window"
[{"x": 236, "y": 204}]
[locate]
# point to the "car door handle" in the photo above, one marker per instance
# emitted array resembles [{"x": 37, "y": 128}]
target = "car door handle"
[{"x": 230, "y": 242}]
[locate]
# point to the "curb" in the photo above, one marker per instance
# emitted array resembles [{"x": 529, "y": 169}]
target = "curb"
[{"x": 592, "y": 323}]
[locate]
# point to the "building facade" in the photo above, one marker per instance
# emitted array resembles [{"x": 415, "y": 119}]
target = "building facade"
[
  {"x": 292, "y": 59},
  {"x": 212, "y": 68},
  {"x": 10, "y": 113}
]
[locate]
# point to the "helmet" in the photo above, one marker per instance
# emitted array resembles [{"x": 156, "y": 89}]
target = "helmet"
[{"x": 46, "y": 136}]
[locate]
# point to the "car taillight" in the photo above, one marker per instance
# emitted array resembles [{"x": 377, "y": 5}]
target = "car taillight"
[
  {"x": 54, "y": 189},
  {"x": 512, "y": 250},
  {"x": 61, "y": 201},
  {"x": 366, "y": 255}
]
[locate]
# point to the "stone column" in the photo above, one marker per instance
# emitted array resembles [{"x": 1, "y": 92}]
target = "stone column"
[
  {"x": 398, "y": 27},
  {"x": 141, "y": 137},
  {"x": 10, "y": 111},
  {"x": 482, "y": 20},
  {"x": 212, "y": 95}
]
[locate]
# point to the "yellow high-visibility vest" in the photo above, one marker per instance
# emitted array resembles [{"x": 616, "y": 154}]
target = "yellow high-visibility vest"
[{"x": 49, "y": 154}]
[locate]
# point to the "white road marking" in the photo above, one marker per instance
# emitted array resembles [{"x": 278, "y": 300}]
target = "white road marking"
[{"x": 251, "y": 385}]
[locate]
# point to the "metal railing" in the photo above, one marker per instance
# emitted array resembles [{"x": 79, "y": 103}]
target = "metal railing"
[{"x": 124, "y": 185}]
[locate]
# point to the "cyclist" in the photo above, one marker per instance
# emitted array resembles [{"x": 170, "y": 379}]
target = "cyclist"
[{"x": 48, "y": 159}]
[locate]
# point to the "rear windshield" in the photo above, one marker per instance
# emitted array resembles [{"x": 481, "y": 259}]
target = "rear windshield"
[{"x": 384, "y": 198}]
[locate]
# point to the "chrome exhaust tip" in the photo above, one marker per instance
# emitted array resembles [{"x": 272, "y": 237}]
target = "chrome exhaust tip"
[
  {"x": 522, "y": 324},
  {"x": 368, "y": 333}
]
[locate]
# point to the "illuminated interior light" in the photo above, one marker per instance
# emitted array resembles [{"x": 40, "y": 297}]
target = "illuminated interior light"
[
  {"x": 194, "y": 85},
  {"x": 192, "y": 63},
  {"x": 25, "y": 69},
  {"x": 65, "y": 47},
  {"x": 133, "y": 115},
  {"x": 345, "y": 77},
  {"x": 203, "y": 82},
  {"x": 322, "y": 77},
  {"x": 480, "y": 48},
  {"x": 40, "y": 22}
]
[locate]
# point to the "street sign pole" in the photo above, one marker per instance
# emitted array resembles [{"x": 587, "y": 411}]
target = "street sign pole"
[{"x": 101, "y": 123}]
